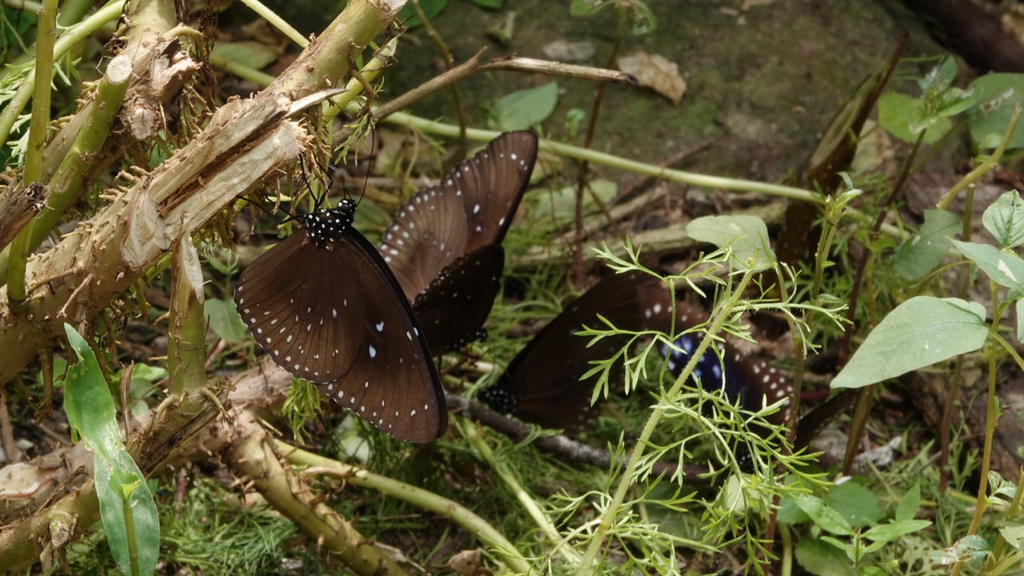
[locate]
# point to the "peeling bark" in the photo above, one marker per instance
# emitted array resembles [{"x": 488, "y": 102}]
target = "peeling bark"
[{"x": 18, "y": 205}]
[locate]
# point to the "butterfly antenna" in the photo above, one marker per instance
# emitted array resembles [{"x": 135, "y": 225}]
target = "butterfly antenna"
[{"x": 318, "y": 201}]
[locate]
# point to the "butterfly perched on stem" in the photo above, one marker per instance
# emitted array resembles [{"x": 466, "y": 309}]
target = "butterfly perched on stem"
[
  {"x": 326, "y": 307},
  {"x": 444, "y": 244}
]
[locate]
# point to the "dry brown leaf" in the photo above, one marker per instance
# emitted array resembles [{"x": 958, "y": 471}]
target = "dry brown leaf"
[{"x": 657, "y": 73}]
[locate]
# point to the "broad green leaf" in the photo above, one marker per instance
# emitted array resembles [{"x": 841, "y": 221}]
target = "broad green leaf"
[
  {"x": 521, "y": 110},
  {"x": 905, "y": 118},
  {"x": 119, "y": 481},
  {"x": 144, "y": 377},
  {"x": 489, "y": 4},
  {"x": 918, "y": 333},
  {"x": 87, "y": 402},
  {"x": 840, "y": 545},
  {"x": 1001, "y": 491},
  {"x": 255, "y": 55},
  {"x": 144, "y": 373},
  {"x": 858, "y": 505},
  {"x": 821, "y": 559},
  {"x": 224, "y": 320},
  {"x": 996, "y": 95},
  {"x": 561, "y": 204},
  {"x": 895, "y": 530},
  {"x": 1014, "y": 536},
  {"x": 1005, "y": 219},
  {"x": 967, "y": 548},
  {"x": 747, "y": 236},
  {"x": 953, "y": 101},
  {"x": 940, "y": 77},
  {"x": 920, "y": 254},
  {"x": 908, "y": 505},
  {"x": 1003, "y": 268},
  {"x": 431, "y": 8},
  {"x": 876, "y": 244},
  {"x": 790, "y": 513},
  {"x": 826, "y": 517}
]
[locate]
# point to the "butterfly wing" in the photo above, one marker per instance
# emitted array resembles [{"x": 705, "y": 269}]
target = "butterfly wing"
[
  {"x": 748, "y": 380},
  {"x": 456, "y": 304},
  {"x": 542, "y": 383},
  {"x": 336, "y": 316},
  {"x": 471, "y": 208}
]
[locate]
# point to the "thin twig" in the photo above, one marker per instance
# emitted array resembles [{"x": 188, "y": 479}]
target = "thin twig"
[
  {"x": 473, "y": 66},
  {"x": 588, "y": 141},
  {"x": 449, "y": 63},
  {"x": 47, "y": 279},
  {"x": 560, "y": 445},
  {"x": 74, "y": 295}
]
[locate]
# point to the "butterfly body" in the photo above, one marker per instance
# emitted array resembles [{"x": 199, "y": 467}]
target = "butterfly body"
[{"x": 326, "y": 308}]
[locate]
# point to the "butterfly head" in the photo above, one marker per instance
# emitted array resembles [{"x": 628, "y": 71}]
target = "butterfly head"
[{"x": 323, "y": 226}]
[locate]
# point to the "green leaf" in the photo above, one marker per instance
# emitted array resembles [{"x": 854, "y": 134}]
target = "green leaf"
[
  {"x": 587, "y": 7},
  {"x": 822, "y": 559},
  {"x": 940, "y": 77},
  {"x": 60, "y": 367},
  {"x": 968, "y": 548},
  {"x": 87, "y": 402},
  {"x": 561, "y": 204},
  {"x": 1004, "y": 218},
  {"x": 144, "y": 377},
  {"x": 840, "y": 545},
  {"x": 953, "y": 101},
  {"x": 90, "y": 410},
  {"x": 905, "y": 118},
  {"x": 875, "y": 243},
  {"x": 826, "y": 517},
  {"x": 747, "y": 236},
  {"x": 790, "y": 513},
  {"x": 255, "y": 55},
  {"x": 907, "y": 507},
  {"x": 431, "y": 8},
  {"x": 1014, "y": 536},
  {"x": 521, "y": 110},
  {"x": 1003, "y": 268},
  {"x": 920, "y": 254},
  {"x": 224, "y": 320},
  {"x": 644, "y": 21},
  {"x": 858, "y": 505},
  {"x": 920, "y": 332},
  {"x": 895, "y": 530},
  {"x": 146, "y": 374},
  {"x": 988, "y": 119},
  {"x": 1019, "y": 304},
  {"x": 489, "y": 4}
]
